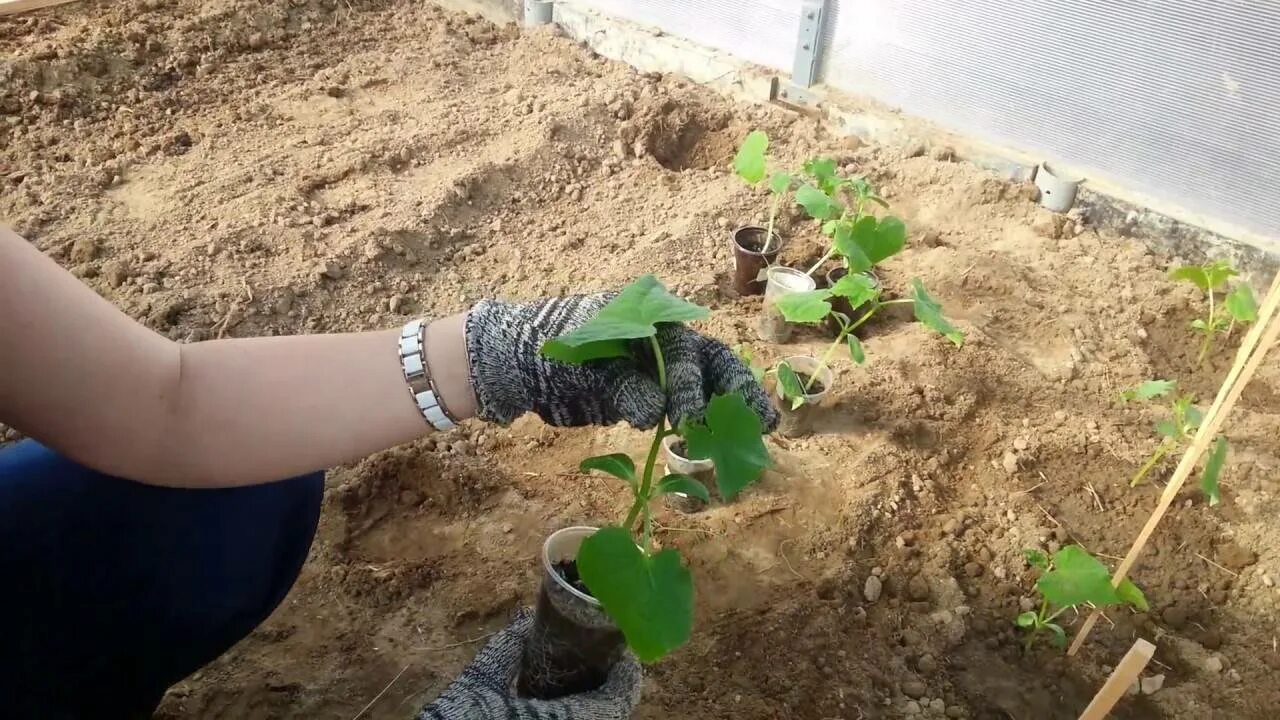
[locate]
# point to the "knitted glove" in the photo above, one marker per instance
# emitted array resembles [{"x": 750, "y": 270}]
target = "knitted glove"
[
  {"x": 485, "y": 691},
  {"x": 511, "y": 377}
]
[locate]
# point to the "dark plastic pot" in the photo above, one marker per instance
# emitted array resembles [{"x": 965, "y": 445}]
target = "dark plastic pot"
[
  {"x": 842, "y": 305},
  {"x": 704, "y": 471},
  {"x": 573, "y": 645},
  {"x": 798, "y": 422},
  {"x": 749, "y": 258}
]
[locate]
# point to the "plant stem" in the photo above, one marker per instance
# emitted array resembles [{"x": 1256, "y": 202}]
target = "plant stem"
[
  {"x": 844, "y": 332},
  {"x": 824, "y": 258},
  {"x": 1165, "y": 447},
  {"x": 641, "y": 504},
  {"x": 1208, "y": 333},
  {"x": 662, "y": 367},
  {"x": 773, "y": 214}
]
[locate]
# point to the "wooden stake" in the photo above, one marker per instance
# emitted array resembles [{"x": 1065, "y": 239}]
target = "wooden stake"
[
  {"x": 1253, "y": 348},
  {"x": 9, "y": 7},
  {"x": 1122, "y": 678}
]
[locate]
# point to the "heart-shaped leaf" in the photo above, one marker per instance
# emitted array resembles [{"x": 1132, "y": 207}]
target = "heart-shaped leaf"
[
  {"x": 633, "y": 314},
  {"x": 810, "y": 306},
  {"x": 780, "y": 182},
  {"x": 749, "y": 162},
  {"x": 649, "y": 597},
  {"x": 823, "y": 171},
  {"x": 1241, "y": 304},
  {"x": 683, "y": 484},
  {"x": 1076, "y": 578},
  {"x": 731, "y": 436},
  {"x": 857, "y": 288},
  {"x": 616, "y": 464},
  {"x": 1149, "y": 389},
  {"x": 870, "y": 241},
  {"x": 1212, "y": 470},
  {"x": 929, "y": 312},
  {"x": 818, "y": 204},
  {"x": 1026, "y": 619},
  {"x": 1206, "y": 277}
]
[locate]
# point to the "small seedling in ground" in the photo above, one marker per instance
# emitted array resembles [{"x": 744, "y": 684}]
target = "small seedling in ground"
[
  {"x": 648, "y": 594},
  {"x": 1239, "y": 307},
  {"x": 860, "y": 291},
  {"x": 1176, "y": 432},
  {"x": 751, "y": 165},
  {"x": 1070, "y": 579}
]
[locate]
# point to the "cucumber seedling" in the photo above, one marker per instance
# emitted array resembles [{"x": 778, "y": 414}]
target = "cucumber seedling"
[
  {"x": 841, "y": 204},
  {"x": 863, "y": 294},
  {"x": 750, "y": 163},
  {"x": 1239, "y": 306},
  {"x": 648, "y": 594},
  {"x": 1071, "y": 578},
  {"x": 1176, "y": 432}
]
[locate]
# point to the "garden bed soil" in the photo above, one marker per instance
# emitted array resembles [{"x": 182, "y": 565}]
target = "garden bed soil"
[{"x": 235, "y": 169}]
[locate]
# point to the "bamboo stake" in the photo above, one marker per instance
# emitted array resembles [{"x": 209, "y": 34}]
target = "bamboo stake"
[
  {"x": 1253, "y": 348},
  {"x": 1122, "y": 678},
  {"x": 9, "y": 7}
]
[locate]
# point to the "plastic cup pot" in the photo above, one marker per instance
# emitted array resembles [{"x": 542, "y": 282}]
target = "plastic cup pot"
[
  {"x": 798, "y": 422},
  {"x": 573, "y": 644},
  {"x": 750, "y": 257},
  {"x": 1057, "y": 188},
  {"x": 781, "y": 281},
  {"x": 841, "y": 304},
  {"x": 704, "y": 471}
]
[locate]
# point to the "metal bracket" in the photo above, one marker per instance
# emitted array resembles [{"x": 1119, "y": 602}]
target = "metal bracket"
[
  {"x": 789, "y": 94},
  {"x": 804, "y": 68}
]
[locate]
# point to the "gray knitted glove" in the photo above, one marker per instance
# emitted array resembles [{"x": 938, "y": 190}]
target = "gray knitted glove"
[
  {"x": 485, "y": 690},
  {"x": 511, "y": 377}
]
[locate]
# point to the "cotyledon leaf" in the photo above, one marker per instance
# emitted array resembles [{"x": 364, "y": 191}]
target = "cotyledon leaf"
[{"x": 731, "y": 436}]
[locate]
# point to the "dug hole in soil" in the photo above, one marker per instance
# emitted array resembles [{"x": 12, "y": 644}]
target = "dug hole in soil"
[{"x": 228, "y": 169}]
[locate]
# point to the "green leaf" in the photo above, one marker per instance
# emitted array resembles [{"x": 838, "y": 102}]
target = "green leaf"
[
  {"x": 732, "y": 437},
  {"x": 780, "y": 182},
  {"x": 1036, "y": 558},
  {"x": 810, "y": 306},
  {"x": 857, "y": 288},
  {"x": 1076, "y": 578},
  {"x": 1026, "y": 619},
  {"x": 830, "y": 226},
  {"x": 1168, "y": 429},
  {"x": 856, "y": 353},
  {"x": 650, "y": 597},
  {"x": 870, "y": 241},
  {"x": 822, "y": 170},
  {"x": 1199, "y": 324},
  {"x": 929, "y": 312},
  {"x": 1192, "y": 415},
  {"x": 1131, "y": 595},
  {"x": 677, "y": 483},
  {"x": 1149, "y": 389},
  {"x": 749, "y": 162},
  {"x": 1241, "y": 304},
  {"x": 1212, "y": 470},
  {"x": 1058, "y": 635},
  {"x": 1218, "y": 272},
  {"x": 633, "y": 314},
  {"x": 617, "y": 465},
  {"x": 818, "y": 204},
  {"x": 792, "y": 388},
  {"x": 1206, "y": 277}
]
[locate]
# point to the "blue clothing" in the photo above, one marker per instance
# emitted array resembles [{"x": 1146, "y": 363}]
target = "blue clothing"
[{"x": 111, "y": 590}]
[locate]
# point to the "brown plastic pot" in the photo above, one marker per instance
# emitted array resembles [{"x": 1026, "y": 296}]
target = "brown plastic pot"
[
  {"x": 798, "y": 422},
  {"x": 749, "y": 258},
  {"x": 572, "y": 645},
  {"x": 704, "y": 471},
  {"x": 841, "y": 305}
]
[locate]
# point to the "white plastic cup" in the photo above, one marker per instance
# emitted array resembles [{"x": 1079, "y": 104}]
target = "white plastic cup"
[
  {"x": 779, "y": 282},
  {"x": 1057, "y": 188},
  {"x": 799, "y": 422}
]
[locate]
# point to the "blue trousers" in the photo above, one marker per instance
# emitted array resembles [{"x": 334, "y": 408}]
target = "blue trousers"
[{"x": 111, "y": 591}]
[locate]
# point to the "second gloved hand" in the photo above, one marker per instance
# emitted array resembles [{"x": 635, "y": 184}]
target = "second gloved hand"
[{"x": 511, "y": 377}]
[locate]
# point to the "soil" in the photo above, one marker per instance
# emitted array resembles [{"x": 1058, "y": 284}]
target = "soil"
[
  {"x": 236, "y": 168},
  {"x": 568, "y": 569}
]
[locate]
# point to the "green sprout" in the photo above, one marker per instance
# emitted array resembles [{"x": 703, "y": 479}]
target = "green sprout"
[
  {"x": 1072, "y": 578},
  {"x": 751, "y": 165},
  {"x": 648, "y": 594},
  {"x": 1176, "y": 432},
  {"x": 814, "y": 307},
  {"x": 841, "y": 203},
  {"x": 1239, "y": 306}
]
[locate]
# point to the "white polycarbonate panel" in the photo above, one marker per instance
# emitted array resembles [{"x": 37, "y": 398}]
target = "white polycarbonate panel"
[
  {"x": 1176, "y": 99},
  {"x": 762, "y": 31}
]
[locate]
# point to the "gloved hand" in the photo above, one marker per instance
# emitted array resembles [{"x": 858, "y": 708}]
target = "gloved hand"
[
  {"x": 485, "y": 690},
  {"x": 511, "y": 377}
]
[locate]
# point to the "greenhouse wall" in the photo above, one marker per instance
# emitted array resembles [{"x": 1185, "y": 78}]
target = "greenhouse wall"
[{"x": 1173, "y": 100}]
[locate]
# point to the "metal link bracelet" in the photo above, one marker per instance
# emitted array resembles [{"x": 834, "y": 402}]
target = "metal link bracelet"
[{"x": 413, "y": 361}]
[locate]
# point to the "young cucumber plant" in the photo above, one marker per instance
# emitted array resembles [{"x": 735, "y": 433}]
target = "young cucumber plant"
[
  {"x": 1240, "y": 306},
  {"x": 862, "y": 240},
  {"x": 1176, "y": 432},
  {"x": 1071, "y": 578},
  {"x": 750, "y": 164},
  {"x": 863, "y": 294},
  {"x": 650, "y": 594}
]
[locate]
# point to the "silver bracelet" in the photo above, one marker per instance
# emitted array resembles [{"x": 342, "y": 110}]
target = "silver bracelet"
[{"x": 413, "y": 361}]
